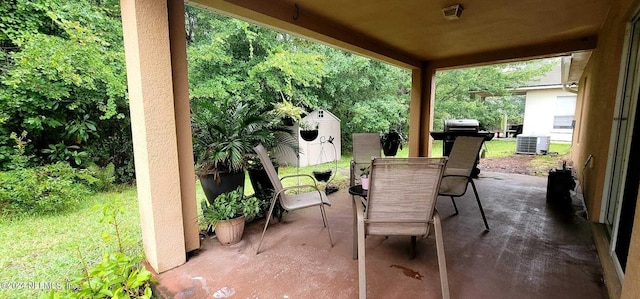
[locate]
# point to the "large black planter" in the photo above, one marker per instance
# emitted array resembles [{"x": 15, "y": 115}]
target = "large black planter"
[
  {"x": 309, "y": 135},
  {"x": 263, "y": 190},
  {"x": 228, "y": 183},
  {"x": 260, "y": 181}
]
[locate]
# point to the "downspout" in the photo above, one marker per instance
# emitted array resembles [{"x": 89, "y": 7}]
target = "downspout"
[
  {"x": 570, "y": 89},
  {"x": 565, "y": 67}
]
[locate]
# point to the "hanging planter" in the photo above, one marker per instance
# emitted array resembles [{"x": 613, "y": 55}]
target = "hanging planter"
[
  {"x": 309, "y": 135},
  {"x": 288, "y": 121},
  {"x": 391, "y": 141},
  {"x": 308, "y": 132},
  {"x": 322, "y": 176}
]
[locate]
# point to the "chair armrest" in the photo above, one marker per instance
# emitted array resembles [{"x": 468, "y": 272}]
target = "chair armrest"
[
  {"x": 299, "y": 187},
  {"x": 456, "y": 176},
  {"x": 315, "y": 183},
  {"x": 359, "y": 210}
]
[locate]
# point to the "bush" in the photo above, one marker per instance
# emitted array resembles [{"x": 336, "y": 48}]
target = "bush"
[
  {"x": 104, "y": 177},
  {"x": 42, "y": 190},
  {"x": 118, "y": 275}
]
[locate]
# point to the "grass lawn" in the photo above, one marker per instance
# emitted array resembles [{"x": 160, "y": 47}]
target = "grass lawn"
[{"x": 45, "y": 248}]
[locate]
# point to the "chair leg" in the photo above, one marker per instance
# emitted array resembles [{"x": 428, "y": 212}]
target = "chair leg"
[
  {"x": 273, "y": 204},
  {"x": 412, "y": 250},
  {"x": 484, "y": 218},
  {"x": 326, "y": 222},
  {"x": 442, "y": 263},
  {"x": 362, "y": 272},
  {"x": 454, "y": 205}
]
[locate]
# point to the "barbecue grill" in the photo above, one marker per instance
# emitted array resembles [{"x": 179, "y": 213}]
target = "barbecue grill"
[{"x": 460, "y": 127}]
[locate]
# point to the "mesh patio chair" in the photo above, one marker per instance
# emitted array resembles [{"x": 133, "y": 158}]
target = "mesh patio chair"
[
  {"x": 365, "y": 147},
  {"x": 291, "y": 202},
  {"x": 401, "y": 202},
  {"x": 457, "y": 174}
]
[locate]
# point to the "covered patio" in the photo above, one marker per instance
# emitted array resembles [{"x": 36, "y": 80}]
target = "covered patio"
[
  {"x": 415, "y": 36},
  {"x": 534, "y": 250}
]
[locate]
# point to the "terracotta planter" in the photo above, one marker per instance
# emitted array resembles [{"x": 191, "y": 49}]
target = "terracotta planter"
[{"x": 229, "y": 232}]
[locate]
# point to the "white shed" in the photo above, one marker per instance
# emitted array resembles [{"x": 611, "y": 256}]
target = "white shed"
[{"x": 319, "y": 150}]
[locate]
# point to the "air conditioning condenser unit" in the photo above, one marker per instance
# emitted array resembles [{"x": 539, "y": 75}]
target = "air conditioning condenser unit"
[{"x": 532, "y": 145}]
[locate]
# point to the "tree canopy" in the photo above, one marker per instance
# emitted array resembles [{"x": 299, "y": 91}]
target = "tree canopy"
[{"x": 63, "y": 81}]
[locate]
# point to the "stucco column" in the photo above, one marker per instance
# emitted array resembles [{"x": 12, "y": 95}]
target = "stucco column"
[
  {"x": 178, "y": 43},
  {"x": 421, "y": 110},
  {"x": 153, "y": 123}
]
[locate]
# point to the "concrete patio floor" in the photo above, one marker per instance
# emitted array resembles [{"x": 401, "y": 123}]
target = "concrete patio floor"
[{"x": 532, "y": 251}]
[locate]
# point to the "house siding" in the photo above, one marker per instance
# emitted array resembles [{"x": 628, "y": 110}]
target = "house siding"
[{"x": 539, "y": 114}]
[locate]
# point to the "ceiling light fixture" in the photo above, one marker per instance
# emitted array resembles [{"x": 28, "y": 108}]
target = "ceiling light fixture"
[{"x": 452, "y": 12}]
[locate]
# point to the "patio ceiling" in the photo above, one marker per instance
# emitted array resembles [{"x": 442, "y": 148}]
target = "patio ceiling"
[{"x": 411, "y": 32}]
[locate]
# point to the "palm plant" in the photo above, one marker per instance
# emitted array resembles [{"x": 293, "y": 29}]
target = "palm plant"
[{"x": 225, "y": 132}]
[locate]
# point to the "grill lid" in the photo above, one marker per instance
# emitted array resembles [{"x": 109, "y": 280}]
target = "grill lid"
[{"x": 467, "y": 125}]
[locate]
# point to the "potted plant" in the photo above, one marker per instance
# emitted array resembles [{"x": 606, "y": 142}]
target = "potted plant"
[
  {"x": 308, "y": 131},
  {"x": 225, "y": 132},
  {"x": 364, "y": 177},
  {"x": 288, "y": 112},
  {"x": 227, "y": 215},
  {"x": 391, "y": 141}
]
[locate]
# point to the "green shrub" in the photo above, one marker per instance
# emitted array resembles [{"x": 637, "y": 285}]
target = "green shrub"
[
  {"x": 118, "y": 274},
  {"x": 42, "y": 190},
  {"x": 104, "y": 177}
]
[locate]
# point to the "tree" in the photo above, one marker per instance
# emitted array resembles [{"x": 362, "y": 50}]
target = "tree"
[
  {"x": 367, "y": 95},
  {"x": 63, "y": 79},
  {"x": 456, "y": 92}
]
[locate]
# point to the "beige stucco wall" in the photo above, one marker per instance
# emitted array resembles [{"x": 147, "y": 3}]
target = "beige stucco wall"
[
  {"x": 596, "y": 102},
  {"x": 600, "y": 82}
]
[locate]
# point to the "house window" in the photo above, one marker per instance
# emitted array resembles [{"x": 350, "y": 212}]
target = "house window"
[
  {"x": 320, "y": 113},
  {"x": 564, "y": 112}
]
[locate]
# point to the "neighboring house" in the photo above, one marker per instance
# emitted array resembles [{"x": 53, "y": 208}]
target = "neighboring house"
[
  {"x": 320, "y": 150},
  {"x": 549, "y": 108}
]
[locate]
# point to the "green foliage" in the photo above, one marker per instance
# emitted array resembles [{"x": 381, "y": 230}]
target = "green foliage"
[
  {"x": 117, "y": 275},
  {"x": 42, "y": 190},
  {"x": 18, "y": 158},
  {"x": 230, "y": 205},
  {"x": 365, "y": 171},
  {"x": 104, "y": 177},
  {"x": 62, "y": 79},
  {"x": 484, "y": 93},
  {"x": 367, "y": 95},
  {"x": 287, "y": 109},
  {"x": 225, "y": 133},
  {"x": 63, "y": 152}
]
